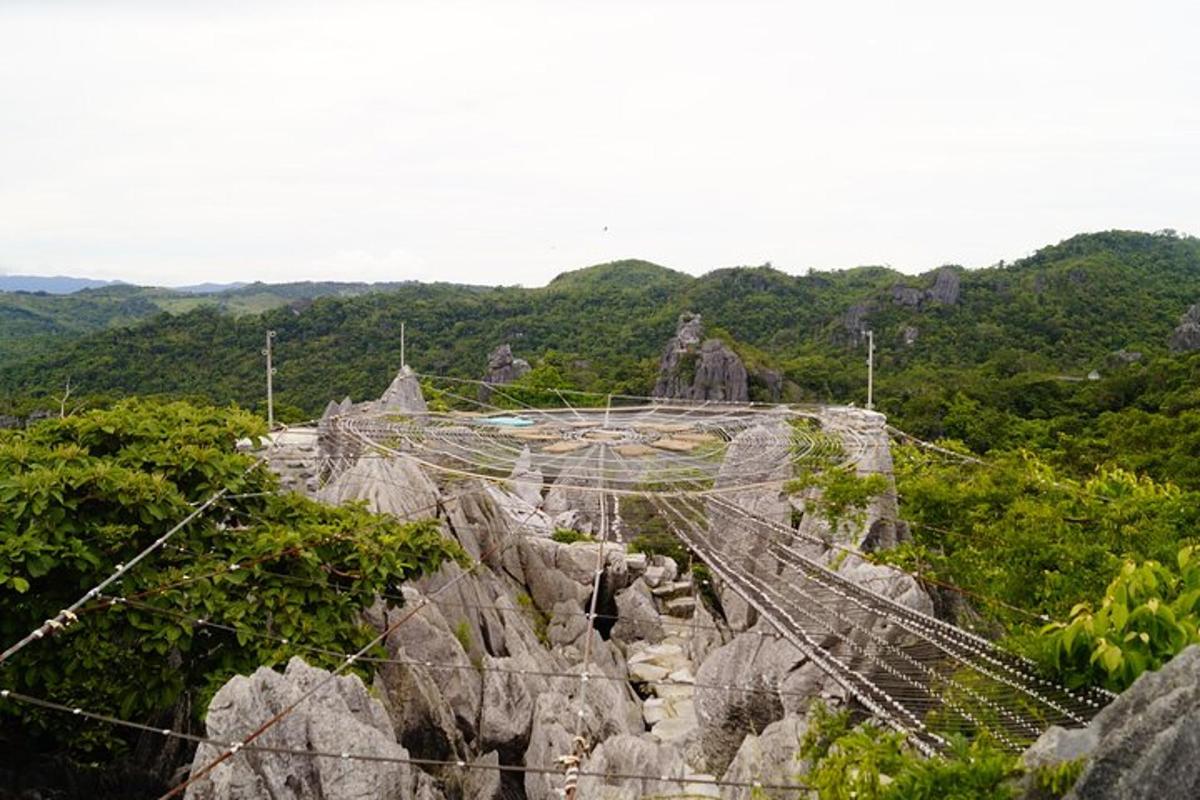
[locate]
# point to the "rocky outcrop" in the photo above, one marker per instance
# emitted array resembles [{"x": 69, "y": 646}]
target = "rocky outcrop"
[
  {"x": 945, "y": 287},
  {"x": 403, "y": 395},
  {"x": 854, "y": 323},
  {"x": 771, "y": 757},
  {"x": 753, "y": 665},
  {"x": 389, "y": 485},
  {"x": 757, "y": 458},
  {"x": 487, "y": 667},
  {"x": 341, "y": 717},
  {"x": 945, "y": 291},
  {"x": 1186, "y": 337},
  {"x": 1145, "y": 744},
  {"x": 632, "y": 755},
  {"x": 692, "y": 369},
  {"x": 502, "y": 368}
]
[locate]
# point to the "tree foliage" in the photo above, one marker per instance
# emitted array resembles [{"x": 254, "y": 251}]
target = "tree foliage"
[
  {"x": 81, "y": 495},
  {"x": 1149, "y": 613}
]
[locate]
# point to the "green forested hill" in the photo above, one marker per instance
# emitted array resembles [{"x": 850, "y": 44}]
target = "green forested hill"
[
  {"x": 1007, "y": 337},
  {"x": 32, "y": 323}
]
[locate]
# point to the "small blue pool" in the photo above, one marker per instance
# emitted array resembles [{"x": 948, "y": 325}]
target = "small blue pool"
[{"x": 508, "y": 422}]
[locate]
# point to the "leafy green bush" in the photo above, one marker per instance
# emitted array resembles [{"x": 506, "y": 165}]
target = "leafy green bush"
[
  {"x": 569, "y": 536},
  {"x": 80, "y": 495},
  {"x": 659, "y": 544},
  {"x": 870, "y": 763},
  {"x": 1036, "y": 541},
  {"x": 1149, "y": 613}
]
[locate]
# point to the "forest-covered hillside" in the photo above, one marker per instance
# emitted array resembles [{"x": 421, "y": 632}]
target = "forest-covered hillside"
[
  {"x": 1056, "y": 315},
  {"x": 34, "y": 322}
]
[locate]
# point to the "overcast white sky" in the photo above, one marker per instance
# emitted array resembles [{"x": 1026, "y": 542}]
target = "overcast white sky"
[{"x": 494, "y": 142}]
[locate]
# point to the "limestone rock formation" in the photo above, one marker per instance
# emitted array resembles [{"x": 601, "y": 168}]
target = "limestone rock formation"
[
  {"x": 389, "y": 485},
  {"x": 1145, "y": 744},
  {"x": 404, "y": 395},
  {"x": 770, "y": 757},
  {"x": 627, "y": 754},
  {"x": 487, "y": 668},
  {"x": 757, "y": 455},
  {"x": 692, "y": 369},
  {"x": 854, "y": 322},
  {"x": 755, "y": 665},
  {"x": 340, "y": 717},
  {"x": 945, "y": 286},
  {"x": 945, "y": 290},
  {"x": 502, "y": 368},
  {"x": 1186, "y": 337}
]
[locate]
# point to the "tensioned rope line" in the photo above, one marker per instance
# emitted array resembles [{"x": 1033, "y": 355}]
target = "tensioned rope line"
[
  {"x": 683, "y": 780},
  {"x": 962, "y": 649},
  {"x": 939, "y": 582},
  {"x": 940, "y": 653}
]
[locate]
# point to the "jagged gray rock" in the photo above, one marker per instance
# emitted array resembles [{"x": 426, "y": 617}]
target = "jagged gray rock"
[
  {"x": 427, "y": 636},
  {"x": 484, "y": 781},
  {"x": 945, "y": 290},
  {"x": 907, "y": 296},
  {"x": 502, "y": 368},
  {"x": 757, "y": 455},
  {"x": 1145, "y": 745},
  {"x": 694, "y": 370},
  {"x": 637, "y": 617},
  {"x": 854, "y": 323},
  {"x": 404, "y": 395},
  {"x": 608, "y": 710},
  {"x": 389, "y": 485},
  {"x": 339, "y": 717},
  {"x": 525, "y": 481},
  {"x": 753, "y": 662},
  {"x": 945, "y": 286},
  {"x": 769, "y": 757},
  {"x": 508, "y": 701},
  {"x": 631, "y": 755},
  {"x": 770, "y": 382},
  {"x": 1186, "y": 337}
]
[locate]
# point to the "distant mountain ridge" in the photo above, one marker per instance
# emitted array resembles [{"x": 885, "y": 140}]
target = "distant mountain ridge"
[{"x": 50, "y": 284}]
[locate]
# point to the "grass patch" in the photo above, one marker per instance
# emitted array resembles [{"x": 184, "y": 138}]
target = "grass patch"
[{"x": 568, "y": 536}]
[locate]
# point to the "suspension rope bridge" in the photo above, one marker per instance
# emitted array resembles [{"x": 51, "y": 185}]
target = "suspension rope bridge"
[{"x": 708, "y": 469}]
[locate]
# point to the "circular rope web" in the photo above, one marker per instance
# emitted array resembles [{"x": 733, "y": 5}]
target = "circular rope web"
[{"x": 705, "y": 468}]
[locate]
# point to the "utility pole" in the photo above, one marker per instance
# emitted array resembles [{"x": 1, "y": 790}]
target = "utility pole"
[
  {"x": 270, "y": 382},
  {"x": 870, "y": 370},
  {"x": 403, "y": 363}
]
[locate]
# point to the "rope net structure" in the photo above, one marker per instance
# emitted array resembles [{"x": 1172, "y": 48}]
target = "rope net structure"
[{"x": 715, "y": 473}]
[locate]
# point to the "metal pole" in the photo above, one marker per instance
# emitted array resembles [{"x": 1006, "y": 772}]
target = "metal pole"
[
  {"x": 402, "y": 361},
  {"x": 270, "y": 383},
  {"x": 870, "y": 370}
]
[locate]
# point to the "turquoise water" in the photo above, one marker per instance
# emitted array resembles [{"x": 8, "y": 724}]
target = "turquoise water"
[{"x": 508, "y": 422}]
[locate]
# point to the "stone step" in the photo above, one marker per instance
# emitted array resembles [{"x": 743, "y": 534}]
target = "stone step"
[
  {"x": 669, "y": 591},
  {"x": 683, "y": 607}
]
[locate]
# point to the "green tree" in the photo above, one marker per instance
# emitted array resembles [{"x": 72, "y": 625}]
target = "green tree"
[{"x": 83, "y": 494}]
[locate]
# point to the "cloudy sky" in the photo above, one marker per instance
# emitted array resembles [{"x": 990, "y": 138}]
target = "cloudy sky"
[{"x": 504, "y": 142}]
